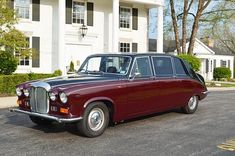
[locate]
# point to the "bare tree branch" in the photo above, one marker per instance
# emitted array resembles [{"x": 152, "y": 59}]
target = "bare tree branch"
[{"x": 175, "y": 26}]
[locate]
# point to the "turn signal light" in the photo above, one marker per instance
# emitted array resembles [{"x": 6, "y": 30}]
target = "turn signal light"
[
  {"x": 19, "y": 102},
  {"x": 64, "y": 110}
]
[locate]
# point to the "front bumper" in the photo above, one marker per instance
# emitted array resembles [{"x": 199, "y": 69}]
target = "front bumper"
[
  {"x": 46, "y": 116},
  {"x": 205, "y": 93}
]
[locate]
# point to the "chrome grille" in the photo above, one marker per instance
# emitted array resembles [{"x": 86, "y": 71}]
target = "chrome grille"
[{"x": 39, "y": 101}]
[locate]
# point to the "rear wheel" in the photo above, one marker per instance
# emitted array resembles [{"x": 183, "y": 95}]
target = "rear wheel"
[
  {"x": 95, "y": 120},
  {"x": 40, "y": 121},
  {"x": 191, "y": 106}
]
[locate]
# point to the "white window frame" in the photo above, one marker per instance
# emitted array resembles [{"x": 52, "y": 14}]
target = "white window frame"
[
  {"x": 30, "y": 12},
  {"x": 20, "y": 59},
  {"x": 223, "y": 61},
  {"x": 123, "y": 28},
  {"x": 85, "y": 12},
  {"x": 130, "y": 47}
]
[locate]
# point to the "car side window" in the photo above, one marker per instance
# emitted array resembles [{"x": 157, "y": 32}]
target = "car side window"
[
  {"x": 162, "y": 66},
  {"x": 142, "y": 67},
  {"x": 179, "y": 68}
]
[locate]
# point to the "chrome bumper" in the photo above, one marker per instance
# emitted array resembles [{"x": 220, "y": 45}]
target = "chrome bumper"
[
  {"x": 46, "y": 116},
  {"x": 206, "y": 92}
]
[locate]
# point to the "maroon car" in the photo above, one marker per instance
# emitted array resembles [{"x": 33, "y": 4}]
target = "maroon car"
[{"x": 112, "y": 88}]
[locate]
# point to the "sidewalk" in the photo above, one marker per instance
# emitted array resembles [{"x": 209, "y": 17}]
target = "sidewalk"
[
  {"x": 7, "y": 102},
  {"x": 220, "y": 88}
]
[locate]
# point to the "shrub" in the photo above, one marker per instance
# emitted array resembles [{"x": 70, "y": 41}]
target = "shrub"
[
  {"x": 8, "y": 63},
  {"x": 193, "y": 61},
  {"x": 8, "y": 82},
  {"x": 33, "y": 76},
  {"x": 222, "y": 72},
  {"x": 57, "y": 73},
  {"x": 71, "y": 67}
]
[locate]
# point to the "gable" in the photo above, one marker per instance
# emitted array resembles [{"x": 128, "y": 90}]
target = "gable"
[{"x": 201, "y": 49}]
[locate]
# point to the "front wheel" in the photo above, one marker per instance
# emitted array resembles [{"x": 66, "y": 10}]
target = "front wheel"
[
  {"x": 95, "y": 120},
  {"x": 191, "y": 106}
]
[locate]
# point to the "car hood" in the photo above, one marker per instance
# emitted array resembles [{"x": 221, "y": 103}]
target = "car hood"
[{"x": 77, "y": 79}]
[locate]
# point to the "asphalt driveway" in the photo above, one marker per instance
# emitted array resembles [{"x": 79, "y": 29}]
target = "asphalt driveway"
[{"x": 165, "y": 134}]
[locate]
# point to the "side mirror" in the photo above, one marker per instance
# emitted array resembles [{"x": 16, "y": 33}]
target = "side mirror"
[{"x": 133, "y": 76}]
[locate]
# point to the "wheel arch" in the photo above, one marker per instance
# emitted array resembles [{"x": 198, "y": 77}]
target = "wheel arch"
[{"x": 107, "y": 101}]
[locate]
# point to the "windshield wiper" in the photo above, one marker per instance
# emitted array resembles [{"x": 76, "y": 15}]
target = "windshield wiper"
[{"x": 92, "y": 71}]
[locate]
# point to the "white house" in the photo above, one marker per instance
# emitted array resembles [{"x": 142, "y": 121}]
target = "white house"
[
  {"x": 210, "y": 56},
  {"x": 69, "y": 30}
]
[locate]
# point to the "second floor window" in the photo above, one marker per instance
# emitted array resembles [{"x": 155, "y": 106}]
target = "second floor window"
[
  {"x": 125, "y": 17},
  {"x": 22, "y": 8},
  {"x": 78, "y": 12}
]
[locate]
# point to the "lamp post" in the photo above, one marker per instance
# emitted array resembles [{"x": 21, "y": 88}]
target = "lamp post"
[{"x": 83, "y": 30}]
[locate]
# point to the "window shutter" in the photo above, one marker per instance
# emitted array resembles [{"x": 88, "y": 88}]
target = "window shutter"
[
  {"x": 134, "y": 47},
  {"x": 135, "y": 19},
  {"x": 68, "y": 12},
  {"x": 11, "y": 4},
  {"x": 214, "y": 64},
  {"x": 36, "y": 10},
  {"x": 229, "y": 64},
  {"x": 36, "y": 54},
  {"x": 119, "y": 17},
  {"x": 207, "y": 65},
  {"x": 90, "y": 13}
]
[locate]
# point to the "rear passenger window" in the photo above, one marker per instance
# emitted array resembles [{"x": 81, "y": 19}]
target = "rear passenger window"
[
  {"x": 179, "y": 68},
  {"x": 163, "y": 66}
]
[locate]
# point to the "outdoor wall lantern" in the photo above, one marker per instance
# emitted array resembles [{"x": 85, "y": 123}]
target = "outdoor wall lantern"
[{"x": 83, "y": 30}]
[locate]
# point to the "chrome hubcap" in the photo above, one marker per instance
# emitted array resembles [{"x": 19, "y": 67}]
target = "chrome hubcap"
[
  {"x": 192, "y": 102},
  {"x": 96, "y": 119}
]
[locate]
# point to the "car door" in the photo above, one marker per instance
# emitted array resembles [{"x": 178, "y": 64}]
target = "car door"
[
  {"x": 140, "y": 91},
  {"x": 185, "y": 83},
  {"x": 165, "y": 84}
]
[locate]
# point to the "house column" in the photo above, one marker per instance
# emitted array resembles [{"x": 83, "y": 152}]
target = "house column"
[
  {"x": 159, "y": 29},
  {"x": 61, "y": 36},
  {"x": 115, "y": 26}
]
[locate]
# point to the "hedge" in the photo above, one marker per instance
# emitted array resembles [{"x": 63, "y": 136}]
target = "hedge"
[
  {"x": 222, "y": 72},
  {"x": 194, "y": 62},
  {"x": 8, "y": 82}
]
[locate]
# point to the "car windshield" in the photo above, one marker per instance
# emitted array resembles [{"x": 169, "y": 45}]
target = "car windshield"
[{"x": 106, "y": 64}]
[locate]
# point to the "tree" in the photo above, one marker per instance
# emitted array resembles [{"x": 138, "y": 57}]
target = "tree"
[
  {"x": 11, "y": 39},
  {"x": 201, "y": 6},
  {"x": 219, "y": 25},
  {"x": 71, "y": 67}
]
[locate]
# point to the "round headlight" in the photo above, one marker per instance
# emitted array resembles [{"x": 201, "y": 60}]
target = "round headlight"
[
  {"x": 26, "y": 92},
  {"x": 63, "y": 97},
  {"x": 18, "y": 92},
  {"x": 52, "y": 96}
]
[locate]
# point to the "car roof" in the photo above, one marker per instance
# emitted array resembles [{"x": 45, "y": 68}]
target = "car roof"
[{"x": 133, "y": 54}]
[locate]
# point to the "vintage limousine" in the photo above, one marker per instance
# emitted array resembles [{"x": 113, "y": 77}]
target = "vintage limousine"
[{"x": 112, "y": 88}]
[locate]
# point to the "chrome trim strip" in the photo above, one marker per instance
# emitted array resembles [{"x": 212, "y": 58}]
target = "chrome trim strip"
[{"x": 60, "y": 120}]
